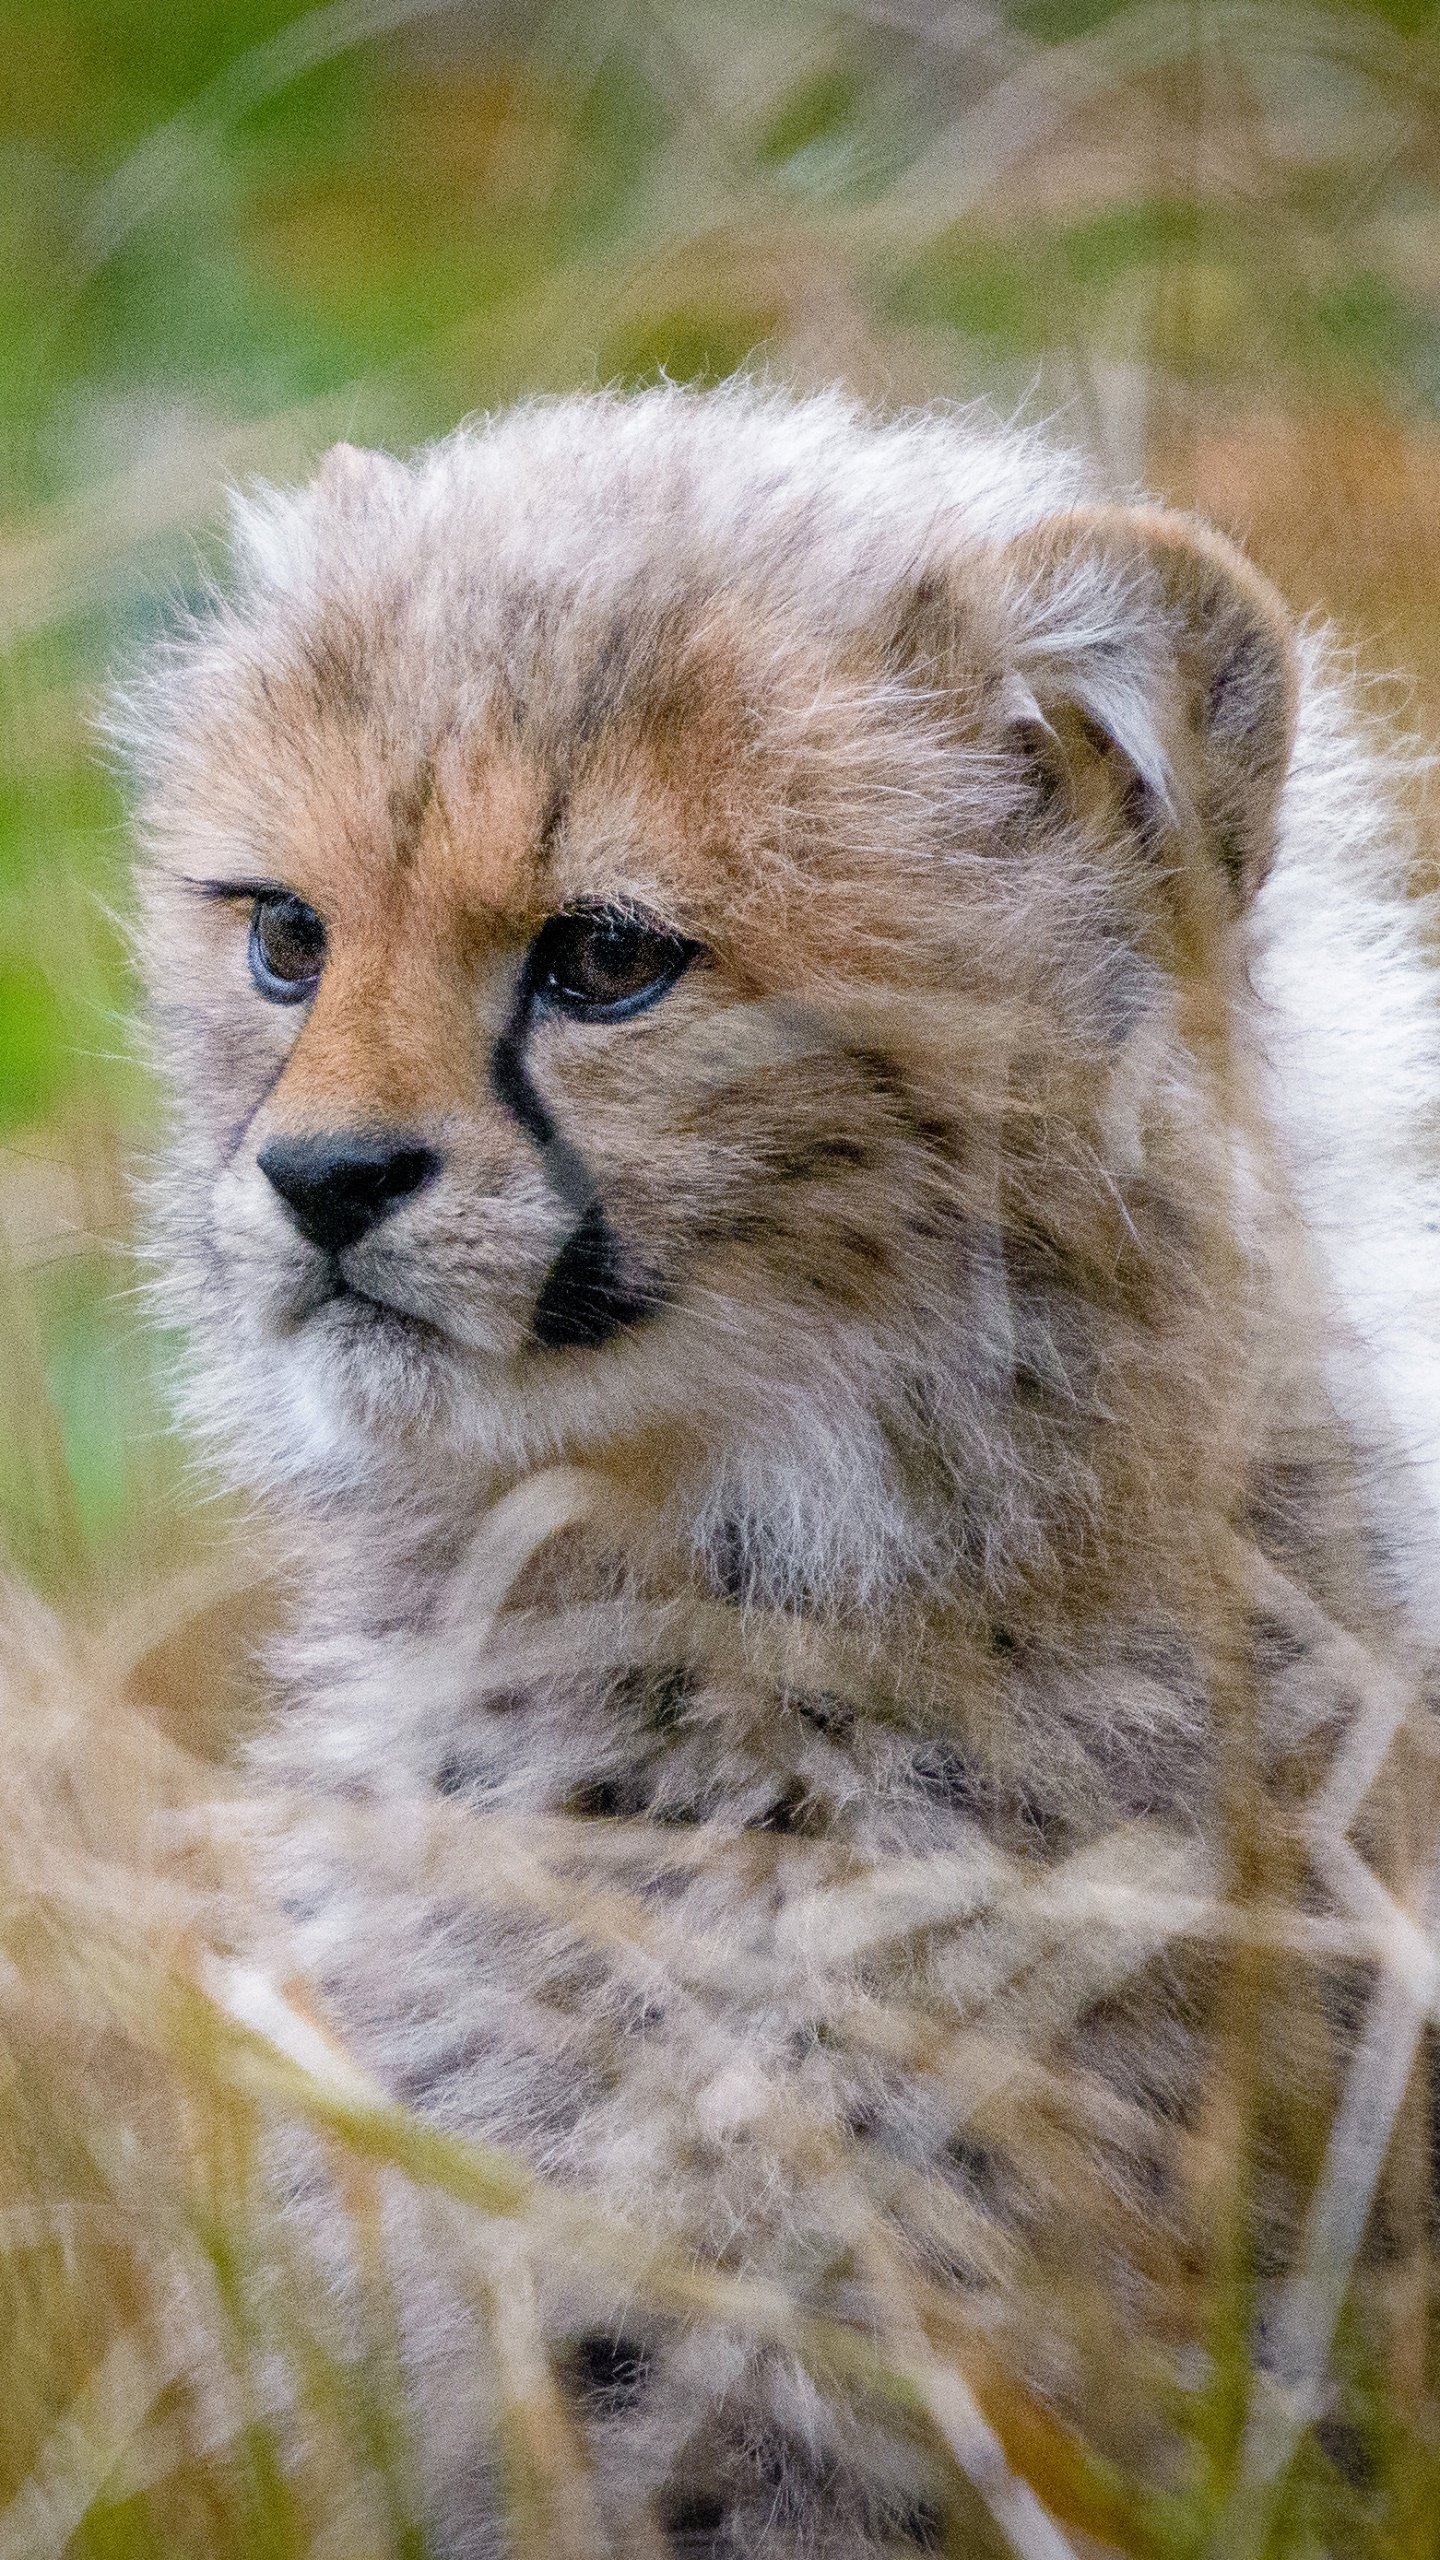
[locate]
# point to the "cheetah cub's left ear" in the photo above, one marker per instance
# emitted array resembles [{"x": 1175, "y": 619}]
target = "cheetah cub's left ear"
[
  {"x": 278, "y": 534},
  {"x": 1172, "y": 646}
]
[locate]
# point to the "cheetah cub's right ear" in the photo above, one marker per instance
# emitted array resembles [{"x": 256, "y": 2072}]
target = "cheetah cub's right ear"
[{"x": 1174, "y": 650}]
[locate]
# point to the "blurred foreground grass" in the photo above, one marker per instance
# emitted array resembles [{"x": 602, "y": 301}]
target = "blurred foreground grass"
[
  {"x": 190, "y": 2374},
  {"x": 1206, "y": 238}
]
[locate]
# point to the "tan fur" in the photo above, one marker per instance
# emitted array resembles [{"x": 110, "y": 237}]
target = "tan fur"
[{"x": 970, "y": 1389}]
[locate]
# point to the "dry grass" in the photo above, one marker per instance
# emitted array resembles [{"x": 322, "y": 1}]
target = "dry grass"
[{"x": 178, "y": 2380}]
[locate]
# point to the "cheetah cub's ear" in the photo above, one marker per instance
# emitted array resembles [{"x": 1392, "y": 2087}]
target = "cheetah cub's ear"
[
  {"x": 1171, "y": 648},
  {"x": 275, "y": 532}
]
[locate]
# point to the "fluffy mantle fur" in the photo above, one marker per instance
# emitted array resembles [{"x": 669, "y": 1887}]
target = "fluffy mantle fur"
[{"x": 1017, "y": 1374}]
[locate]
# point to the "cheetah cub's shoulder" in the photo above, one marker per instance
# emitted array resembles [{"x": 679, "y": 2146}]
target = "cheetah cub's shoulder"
[{"x": 799, "y": 1167}]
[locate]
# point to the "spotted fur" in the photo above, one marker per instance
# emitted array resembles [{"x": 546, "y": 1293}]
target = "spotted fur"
[{"x": 953, "y": 1285}]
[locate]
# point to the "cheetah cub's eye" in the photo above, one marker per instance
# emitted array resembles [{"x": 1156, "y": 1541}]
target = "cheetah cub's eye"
[
  {"x": 287, "y": 946},
  {"x": 598, "y": 964}
]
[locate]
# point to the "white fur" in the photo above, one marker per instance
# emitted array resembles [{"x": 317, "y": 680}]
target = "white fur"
[{"x": 1349, "y": 1031}]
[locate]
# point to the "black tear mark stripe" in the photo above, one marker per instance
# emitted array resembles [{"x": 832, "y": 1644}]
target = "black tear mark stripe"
[
  {"x": 565, "y": 1168},
  {"x": 585, "y": 1299}
]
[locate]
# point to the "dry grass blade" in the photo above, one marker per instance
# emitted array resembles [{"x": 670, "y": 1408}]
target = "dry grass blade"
[
  {"x": 86, "y": 2446},
  {"x": 136, "y": 1913}
]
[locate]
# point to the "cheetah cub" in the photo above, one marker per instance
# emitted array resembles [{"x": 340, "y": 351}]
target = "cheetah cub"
[{"x": 801, "y": 1170}]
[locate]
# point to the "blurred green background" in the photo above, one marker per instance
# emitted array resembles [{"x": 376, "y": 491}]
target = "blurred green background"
[{"x": 1204, "y": 238}]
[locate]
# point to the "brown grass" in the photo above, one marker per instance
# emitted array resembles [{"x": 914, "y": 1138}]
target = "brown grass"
[{"x": 178, "y": 2383}]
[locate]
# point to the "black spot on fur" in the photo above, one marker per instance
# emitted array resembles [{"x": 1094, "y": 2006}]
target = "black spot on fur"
[
  {"x": 1289, "y": 1511},
  {"x": 1013, "y": 1814},
  {"x": 1275, "y": 1646},
  {"x": 827, "y": 1713},
  {"x": 1345, "y": 1991},
  {"x": 731, "y": 1563},
  {"x": 605, "y": 1799},
  {"x": 950, "y": 1779},
  {"x": 1028, "y": 1387},
  {"x": 977, "y": 2162},
  {"x": 747, "y": 1226},
  {"x": 1230, "y": 851},
  {"x": 870, "y": 1251},
  {"x": 605, "y": 2374},
  {"x": 922, "y": 2527},
  {"x": 882, "y": 1074},
  {"x": 810, "y": 1159},
  {"x": 937, "y": 1136},
  {"x": 1038, "y": 1828},
  {"x": 746, "y": 1569},
  {"x": 691, "y": 2519},
  {"x": 657, "y": 1699},
  {"x": 858, "y": 1260},
  {"x": 1141, "y": 813},
  {"x": 586, "y": 1300},
  {"x": 786, "y": 1813}
]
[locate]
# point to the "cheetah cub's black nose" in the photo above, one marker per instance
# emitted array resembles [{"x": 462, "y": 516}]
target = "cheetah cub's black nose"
[{"x": 336, "y": 1186}]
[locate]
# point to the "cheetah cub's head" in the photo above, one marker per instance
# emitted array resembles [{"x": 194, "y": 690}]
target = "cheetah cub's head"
[{"x": 693, "y": 925}]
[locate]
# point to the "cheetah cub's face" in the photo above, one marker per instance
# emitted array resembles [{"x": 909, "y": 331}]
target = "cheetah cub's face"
[{"x": 619, "y": 888}]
